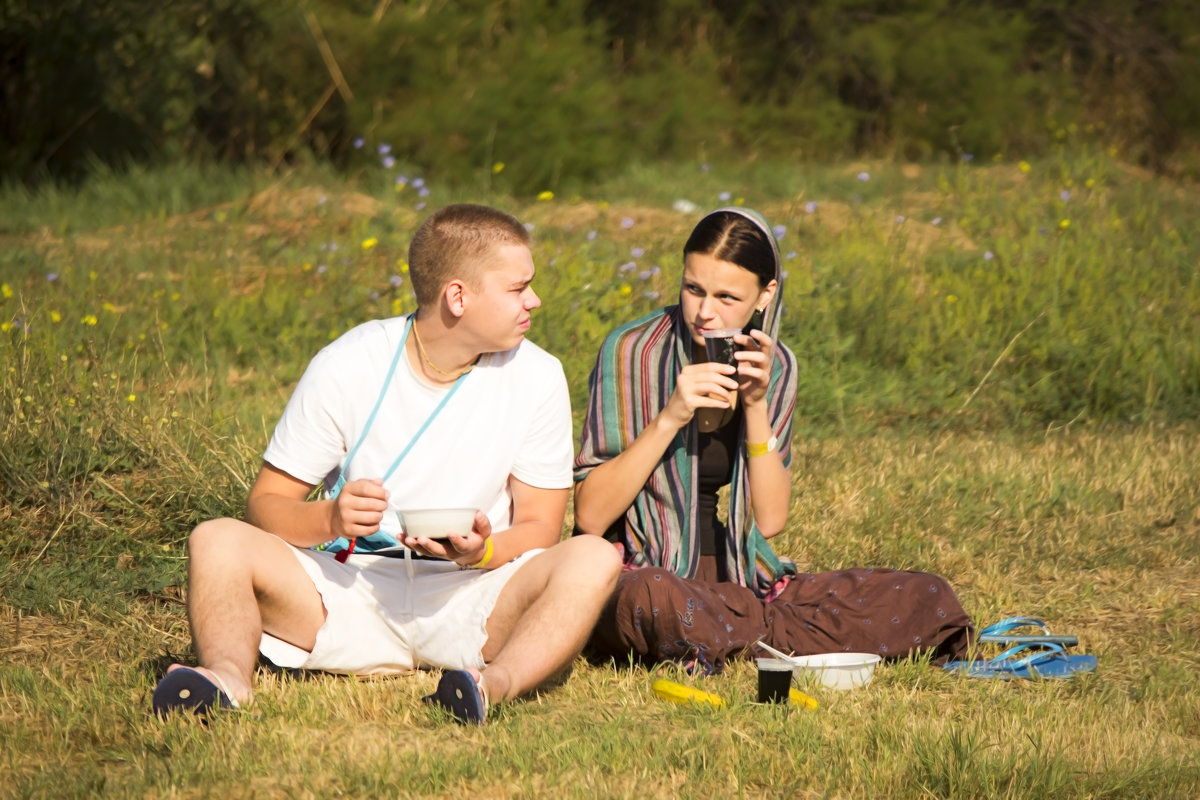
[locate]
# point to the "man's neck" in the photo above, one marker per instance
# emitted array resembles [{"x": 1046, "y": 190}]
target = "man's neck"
[{"x": 435, "y": 355}]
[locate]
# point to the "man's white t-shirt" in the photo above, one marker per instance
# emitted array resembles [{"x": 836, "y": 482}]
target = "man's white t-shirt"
[{"x": 511, "y": 416}]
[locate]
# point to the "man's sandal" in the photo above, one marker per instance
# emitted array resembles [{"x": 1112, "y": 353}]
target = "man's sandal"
[
  {"x": 186, "y": 689},
  {"x": 461, "y": 693}
]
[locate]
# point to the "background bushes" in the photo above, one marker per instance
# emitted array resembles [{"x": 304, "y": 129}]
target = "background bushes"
[{"x": 561, "y": 92}]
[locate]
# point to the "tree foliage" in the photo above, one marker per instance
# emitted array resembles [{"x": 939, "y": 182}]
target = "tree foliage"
[{"x": 561, "y": 91}]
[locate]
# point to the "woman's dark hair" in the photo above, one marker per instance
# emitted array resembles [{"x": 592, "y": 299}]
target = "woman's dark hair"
[{"x": 731, "y": 237}]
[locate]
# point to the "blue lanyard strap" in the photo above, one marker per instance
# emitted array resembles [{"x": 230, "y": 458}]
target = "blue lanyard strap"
[{"x": 387, "y": 382}]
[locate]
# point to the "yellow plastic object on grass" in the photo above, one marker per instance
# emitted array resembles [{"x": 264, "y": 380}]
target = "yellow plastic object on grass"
[
  {"x": 678, "y": 693},
  {"x": 799, "y": 698}
]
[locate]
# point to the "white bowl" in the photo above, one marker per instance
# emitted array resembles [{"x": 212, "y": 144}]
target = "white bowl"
[
  {"x": 837, "y": 670},
  {"x": 437, "y": 523}
]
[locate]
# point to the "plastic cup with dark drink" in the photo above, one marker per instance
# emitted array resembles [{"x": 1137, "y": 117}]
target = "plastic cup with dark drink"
[
  {"x": 774, "y": 680},
  {"x": 719, "y": 344}
]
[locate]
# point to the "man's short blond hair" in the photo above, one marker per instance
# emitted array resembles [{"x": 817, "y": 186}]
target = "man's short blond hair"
[{"x": 454, "y": 244}]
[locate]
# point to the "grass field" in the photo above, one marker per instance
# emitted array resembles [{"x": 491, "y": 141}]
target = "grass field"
[{"x": 1001, "y": 379}]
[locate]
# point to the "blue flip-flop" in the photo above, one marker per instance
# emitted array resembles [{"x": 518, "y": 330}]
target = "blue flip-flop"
[
  {"x": 459, "y": 693},
  {"x": 1002, "y": 633},
  {"x": 1036, "y": 660},
  {"x": 186, "y": 689}
]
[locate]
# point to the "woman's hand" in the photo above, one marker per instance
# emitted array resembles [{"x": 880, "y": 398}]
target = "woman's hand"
[
  {"x": 754, "y": 366},
  {"x": 704, "y": 385}
]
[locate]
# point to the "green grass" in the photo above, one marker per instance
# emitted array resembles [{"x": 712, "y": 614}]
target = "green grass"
[{"x": 1033, "y": 439}]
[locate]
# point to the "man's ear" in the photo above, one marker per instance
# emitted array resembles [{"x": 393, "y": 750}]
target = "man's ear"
[{"x": 455, "y": 296}]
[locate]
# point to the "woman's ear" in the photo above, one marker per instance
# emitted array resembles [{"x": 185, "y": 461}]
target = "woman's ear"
[
  {"x": 766, "y": 295},
  {"x": 455, "y": 297}
]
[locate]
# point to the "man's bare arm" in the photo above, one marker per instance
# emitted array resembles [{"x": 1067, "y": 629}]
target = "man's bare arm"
[{"x": 278, "y": 504}]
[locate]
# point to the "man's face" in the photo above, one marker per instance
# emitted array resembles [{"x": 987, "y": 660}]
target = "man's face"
[{"x": 497, "y": 311}]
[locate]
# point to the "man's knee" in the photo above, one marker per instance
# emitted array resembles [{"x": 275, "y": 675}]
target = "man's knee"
[
  {"x": 215, "y": 540},
  {"x": 593, "y": 557}
]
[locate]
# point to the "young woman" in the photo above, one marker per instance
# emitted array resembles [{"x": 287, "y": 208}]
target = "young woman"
[{"x": 666, "y": 428}]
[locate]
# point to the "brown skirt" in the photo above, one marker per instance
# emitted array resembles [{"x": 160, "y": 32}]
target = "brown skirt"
[{"x": 655, "y": 615}]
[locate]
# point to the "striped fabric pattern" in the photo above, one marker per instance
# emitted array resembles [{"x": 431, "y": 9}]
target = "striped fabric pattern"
[{"x": 632, "y": 381}]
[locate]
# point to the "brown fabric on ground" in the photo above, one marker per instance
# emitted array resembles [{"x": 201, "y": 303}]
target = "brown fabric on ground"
[{"x": 657, "y": 616}]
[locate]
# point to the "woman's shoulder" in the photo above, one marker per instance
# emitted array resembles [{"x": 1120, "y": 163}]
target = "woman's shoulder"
[{"x": 649, "y": 326}]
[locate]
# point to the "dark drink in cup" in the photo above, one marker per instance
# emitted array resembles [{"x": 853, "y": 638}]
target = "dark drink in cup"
[
  {"x": 719, "y": 345},
  {"x": 774, "y": 680}
]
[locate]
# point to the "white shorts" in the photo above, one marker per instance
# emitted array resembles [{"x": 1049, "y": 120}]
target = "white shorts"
[{"x": 379, "y": 621}]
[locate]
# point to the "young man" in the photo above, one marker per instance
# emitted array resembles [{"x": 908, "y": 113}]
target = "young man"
[{"x": 450, "y": 407}]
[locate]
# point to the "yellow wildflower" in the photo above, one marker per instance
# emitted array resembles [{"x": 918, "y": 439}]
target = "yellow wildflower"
[
  {"x": 6, "y": 290},
  {"x": 1064, "y": 224},
  {"x": 397, "y": 306},
  {"x": 5, "y": 327},
  {"x": 402, "y": 264},
  {"x": 370, "y": 242},
  {"x": 544, "y": 196},
  {"x": 55, "y": 316},
  {"x": 131, "y": 397},
  {"x": 89, "y": 319},
  {"x": 1024, "y": 166},
  {"x": 626, "y": 289},
  {"x": 498, "y": 167}
]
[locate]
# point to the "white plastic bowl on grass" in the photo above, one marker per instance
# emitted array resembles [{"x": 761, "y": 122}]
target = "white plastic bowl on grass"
[
  {"x": 437, "y": 523},
  {"x": 836, "y": 670}
]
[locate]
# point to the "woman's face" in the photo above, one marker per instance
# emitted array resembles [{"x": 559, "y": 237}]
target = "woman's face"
[{"x": 719, "y": 294}]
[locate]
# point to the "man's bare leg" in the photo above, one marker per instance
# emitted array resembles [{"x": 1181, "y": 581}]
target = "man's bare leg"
[
  {"x": 242, "y": 580},
  {"x": 545, "y": 614}
]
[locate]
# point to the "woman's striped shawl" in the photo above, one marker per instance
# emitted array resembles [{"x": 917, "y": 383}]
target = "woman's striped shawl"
[{"x": 632, "y": 381}]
